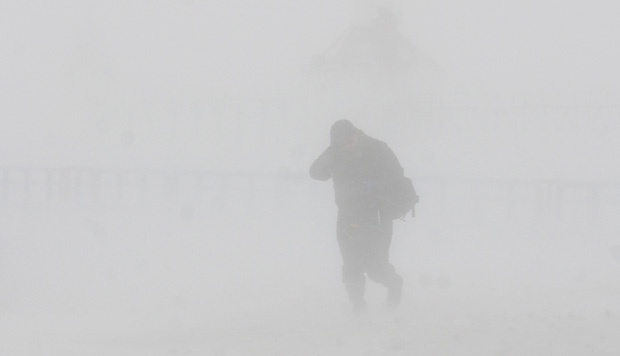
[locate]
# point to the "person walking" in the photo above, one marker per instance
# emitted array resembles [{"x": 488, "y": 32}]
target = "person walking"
[{"x": 361, "y": 168}]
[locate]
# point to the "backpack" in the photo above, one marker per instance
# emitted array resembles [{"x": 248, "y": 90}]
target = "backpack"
[{"x": 399, "y": 198}]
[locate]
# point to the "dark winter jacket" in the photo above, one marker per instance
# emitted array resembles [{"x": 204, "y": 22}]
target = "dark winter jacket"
[{"x": 360, "y": 176}]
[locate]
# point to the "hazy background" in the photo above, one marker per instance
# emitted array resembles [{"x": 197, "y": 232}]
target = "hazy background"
[
  {"x": 210, "y": 83},
  {"x": 154, "y": 189}
]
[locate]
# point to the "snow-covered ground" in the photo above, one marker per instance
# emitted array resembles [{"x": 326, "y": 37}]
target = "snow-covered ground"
[{"x": 260, "y": 276}]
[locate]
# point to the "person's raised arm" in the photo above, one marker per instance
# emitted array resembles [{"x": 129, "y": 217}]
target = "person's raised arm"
[{"x": 323, "y": 167}]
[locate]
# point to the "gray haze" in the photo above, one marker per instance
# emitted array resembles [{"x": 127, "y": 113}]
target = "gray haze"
[{"x": 154, "y": 194}]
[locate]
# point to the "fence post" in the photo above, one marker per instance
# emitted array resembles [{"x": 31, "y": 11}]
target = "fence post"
[
  {"x": 4, "y": 184},
  {"x": 49, "y": 185},
  {"x": 96, "y": 187},
  {"x": 594, "y": 204},
  {"x": 27, "y": 184}
]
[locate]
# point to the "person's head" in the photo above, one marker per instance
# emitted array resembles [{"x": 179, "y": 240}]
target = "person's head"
[{"x": 343, "y": 135}]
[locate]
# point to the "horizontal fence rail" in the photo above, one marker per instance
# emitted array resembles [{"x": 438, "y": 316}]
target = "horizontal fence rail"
[{"x": 451, "y": 198}]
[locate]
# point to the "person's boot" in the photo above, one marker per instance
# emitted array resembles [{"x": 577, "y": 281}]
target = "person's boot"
[
  {"x": 395, "y": 290},
  {"x": 355, "y": 289},
  {"x": 359, "y": 306}
]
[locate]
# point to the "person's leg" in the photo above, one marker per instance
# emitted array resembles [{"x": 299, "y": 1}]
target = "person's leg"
[
  {"x": 355, "y": 283},
  {"x": 381, "y": 270},
  {"x": 353, "y": 269},
  {"x": 385, "y": 274}
]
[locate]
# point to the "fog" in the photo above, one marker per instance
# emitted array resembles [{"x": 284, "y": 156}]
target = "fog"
[{"x": 154, "y": 188}]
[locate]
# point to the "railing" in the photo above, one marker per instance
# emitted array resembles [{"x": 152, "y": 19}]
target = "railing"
[
  {"x": 452, "y": 200},
  {"x": 86, "y": 185}
]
